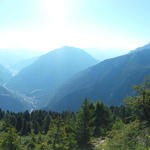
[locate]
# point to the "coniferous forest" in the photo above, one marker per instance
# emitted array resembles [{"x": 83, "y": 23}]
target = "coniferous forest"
[{"x": 94, "y": 127}]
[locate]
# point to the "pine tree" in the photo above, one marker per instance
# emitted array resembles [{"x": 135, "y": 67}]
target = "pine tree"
[
  {"x": 46, "y": 124},
  {"x": 140, "y": 104},
  {"x": 103, "y": 119},
  {"x": 56, "y": 134},
  {"x": 18, "y": 123},
  {"x": 84, "y": 130}
]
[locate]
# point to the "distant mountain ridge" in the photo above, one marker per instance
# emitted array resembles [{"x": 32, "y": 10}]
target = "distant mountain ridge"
[
  {"x": 9, "y": 57},
  {"x": 49, "y": 71},
  {"x": 110, "y": 80},
  {"x": 103, "y": 54},
  {"x": 147, "y": 46},
  {"x": 16, "y": 68}
]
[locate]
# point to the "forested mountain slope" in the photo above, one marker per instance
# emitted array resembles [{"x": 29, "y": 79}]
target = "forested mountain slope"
[{"x": 110, "y": 81}]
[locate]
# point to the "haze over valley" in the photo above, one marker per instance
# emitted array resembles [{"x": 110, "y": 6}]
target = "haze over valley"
[{"x": 62, "y": 78}]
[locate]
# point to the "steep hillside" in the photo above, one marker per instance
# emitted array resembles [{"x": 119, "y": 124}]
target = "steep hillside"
[
  {"x": 41, "y": 78},
  {"x": 110, "y": 80},
  {"x": 4, "y": 75},
  {"x": 11, "y": 102},
  {"x": 15, "y": 68}
]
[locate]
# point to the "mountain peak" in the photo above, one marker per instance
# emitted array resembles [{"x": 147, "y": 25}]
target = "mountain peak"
[
  {"x": 110, "y": 80},
  {"x": 67, "y": 47},
  {"x": 50, "y": 71}
]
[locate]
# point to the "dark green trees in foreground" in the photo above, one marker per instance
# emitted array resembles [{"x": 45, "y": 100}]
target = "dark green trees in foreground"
[
  {"x": 131, "y": 131},
  {"x": 56, "y": 131},
  {"x": 10, "y": 140},
  {"x": 119, "y": 128}
]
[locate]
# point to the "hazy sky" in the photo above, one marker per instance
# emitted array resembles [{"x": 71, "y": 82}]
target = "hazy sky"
[{"x": 48, "y": 24}]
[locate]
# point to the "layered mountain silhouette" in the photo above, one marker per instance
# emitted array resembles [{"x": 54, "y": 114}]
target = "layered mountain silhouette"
[
  {"x": 48, "y": 72},
  {"x": 147, "y": 46},
  {"x": 9, "y": 57},
  {"x": 102, "y": 54},
  {"x": 11, "y": 102},
  {"x": 110, "y": 81},
  {"x": 16, "y": 68}
]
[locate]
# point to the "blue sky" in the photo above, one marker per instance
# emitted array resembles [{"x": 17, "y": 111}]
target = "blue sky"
[{"x": 48, "y": 24}]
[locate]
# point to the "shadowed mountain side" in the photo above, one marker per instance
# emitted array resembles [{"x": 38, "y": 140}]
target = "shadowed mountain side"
[
  {"x": 4, "y": 75},
  {"x": 110, "y": 80},
  {"x": 10, "y": 102}
]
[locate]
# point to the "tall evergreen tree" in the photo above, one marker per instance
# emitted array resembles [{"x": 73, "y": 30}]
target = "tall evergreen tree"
[
  {"x": 83, "y": 126},
  {"x": 56, "y": 134},
  {"x": 46, "y": 123},
  {"x": 140, "y": 104},
  {"x": 103, "y": 119}
]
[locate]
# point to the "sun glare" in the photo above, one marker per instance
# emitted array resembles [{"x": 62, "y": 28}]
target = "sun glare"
[{"x": 55, "y": 10}]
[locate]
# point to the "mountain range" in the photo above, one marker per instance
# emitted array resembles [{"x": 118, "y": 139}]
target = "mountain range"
[
  {"x": 62, "y": 78},
  {"x": 110, "y": 80},
  {"x": 9, "y": 57},
  {"x": 41, "y": 79}
]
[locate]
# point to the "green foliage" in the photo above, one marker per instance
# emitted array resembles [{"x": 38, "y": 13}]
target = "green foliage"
[
  {"x": 43, "y": 146},
  {"x": 140, "y": 104},
  {"x": 55, "y": 134},
  {"x": 84, "y": 130},
  {"x": 70, "y": 141},
  {"x": 125, "y": 137},
  {"x": 103, "y": 119},
  {"x": 9, "y": 140},
  {"x": 46, "y": 123},
  {"x": 31, "y": 146}
]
